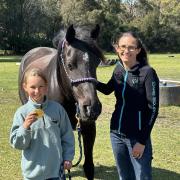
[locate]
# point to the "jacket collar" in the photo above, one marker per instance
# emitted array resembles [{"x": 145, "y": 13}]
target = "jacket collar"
[
  {"x": 133, "y": 68},
  {"x": 39, "y": 105}
]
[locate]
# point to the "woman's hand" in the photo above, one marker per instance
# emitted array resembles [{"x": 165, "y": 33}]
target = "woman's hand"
[
  {"x": 30, "y": 118},
  {"x": 67, "y": 165},
  {"x": 138, "y": 150}
]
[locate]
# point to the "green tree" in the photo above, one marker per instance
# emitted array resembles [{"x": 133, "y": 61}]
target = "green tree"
[
  {"x": 25, "y": 24},
  {"x": 158, "y": 24},
  {"x": 79, "y": 12}
]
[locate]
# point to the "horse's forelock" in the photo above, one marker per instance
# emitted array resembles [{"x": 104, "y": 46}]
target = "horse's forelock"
[{"x": 84, "y": 33}]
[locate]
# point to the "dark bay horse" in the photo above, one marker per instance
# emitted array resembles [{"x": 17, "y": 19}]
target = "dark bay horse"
[{"x": 71, "y": 72}]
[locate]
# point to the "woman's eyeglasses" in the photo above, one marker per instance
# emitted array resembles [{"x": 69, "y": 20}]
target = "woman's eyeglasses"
[{"x": 129, "y": 48}]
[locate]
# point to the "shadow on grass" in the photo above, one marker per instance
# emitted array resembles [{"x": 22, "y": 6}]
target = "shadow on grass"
[
  {"x": 163, "y": 174},
  {"x": 101, "y": 172},
  {"x": 110, "y": 173},
  {"x": 10, "y": 60}
]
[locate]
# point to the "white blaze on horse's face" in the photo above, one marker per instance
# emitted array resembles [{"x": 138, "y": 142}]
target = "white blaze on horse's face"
[{"x": 86, "y": 57}]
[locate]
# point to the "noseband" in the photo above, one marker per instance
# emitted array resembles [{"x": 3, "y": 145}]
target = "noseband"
[{"x": 74, "y": 81}]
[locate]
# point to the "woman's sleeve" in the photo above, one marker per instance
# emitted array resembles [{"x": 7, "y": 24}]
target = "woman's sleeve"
[
  {"x": 152, "y": 96},
  {"x": 105, "y": 88}
]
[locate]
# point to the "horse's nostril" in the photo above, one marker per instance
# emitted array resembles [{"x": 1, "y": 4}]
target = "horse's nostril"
[
  {"x": 87, "y": 110},
  {"x": 91, "y": 112}
]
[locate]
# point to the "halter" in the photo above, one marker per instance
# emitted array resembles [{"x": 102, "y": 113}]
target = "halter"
[{"x": 74, "y": 81}]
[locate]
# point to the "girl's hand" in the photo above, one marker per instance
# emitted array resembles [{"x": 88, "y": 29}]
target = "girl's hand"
[
  {"x": 30, "y": 118},
  {"x": 67, "y": 165},
  {"x": 138, "y": 150}
]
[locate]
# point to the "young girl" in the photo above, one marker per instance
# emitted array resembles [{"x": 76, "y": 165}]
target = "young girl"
[
  {"x": 136, "y": 88},
  {"x": 42, "y": 130}
]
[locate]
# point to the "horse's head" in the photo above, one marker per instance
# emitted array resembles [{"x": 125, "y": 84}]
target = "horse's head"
[{"x": 79, "y": 56}]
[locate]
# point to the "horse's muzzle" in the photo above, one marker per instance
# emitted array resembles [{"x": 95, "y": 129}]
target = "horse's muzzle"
[{"x": 90, "y": 112}]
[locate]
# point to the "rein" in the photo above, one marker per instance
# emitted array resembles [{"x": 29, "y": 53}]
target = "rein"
[{"x": 80, "y": 80}]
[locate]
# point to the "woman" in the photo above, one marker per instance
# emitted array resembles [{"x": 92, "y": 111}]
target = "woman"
[{"x": 136, "y": 88}]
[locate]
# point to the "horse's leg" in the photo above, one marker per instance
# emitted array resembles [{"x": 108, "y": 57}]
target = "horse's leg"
[{"x": 88, "y": 134}]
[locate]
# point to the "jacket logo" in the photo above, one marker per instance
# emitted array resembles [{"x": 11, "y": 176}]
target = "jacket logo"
[
  {"x": 135, "y": 81},
  {"x": 54, "y": 121}
]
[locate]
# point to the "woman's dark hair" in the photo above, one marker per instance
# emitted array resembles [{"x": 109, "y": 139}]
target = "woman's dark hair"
[{"x": 142, "y": 56}]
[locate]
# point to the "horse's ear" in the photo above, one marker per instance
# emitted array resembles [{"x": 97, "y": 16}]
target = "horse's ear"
[
  {"x": 95, "y": 32},
  {"x": 70, "y": 34}
]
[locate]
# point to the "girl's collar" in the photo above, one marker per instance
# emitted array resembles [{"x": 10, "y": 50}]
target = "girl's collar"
[{"x": 39, "y": 105}]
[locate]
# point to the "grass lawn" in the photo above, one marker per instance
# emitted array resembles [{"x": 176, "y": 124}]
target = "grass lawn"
[{"x": 165, "y": 135}]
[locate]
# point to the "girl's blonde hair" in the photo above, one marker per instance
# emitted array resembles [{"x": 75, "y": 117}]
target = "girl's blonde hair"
[{"x": 34, "y": 72}]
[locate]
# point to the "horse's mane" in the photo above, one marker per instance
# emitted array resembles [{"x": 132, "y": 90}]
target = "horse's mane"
[{"x": 58, "y": 38}]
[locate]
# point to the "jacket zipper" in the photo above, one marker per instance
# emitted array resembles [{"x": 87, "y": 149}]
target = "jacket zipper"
[
  {"x": 139, "y": 114},
  {"x": 123, "y": 98},
  {"x": 43, "y": 117}
]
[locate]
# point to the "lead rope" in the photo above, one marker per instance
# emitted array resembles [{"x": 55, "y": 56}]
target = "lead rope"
[
  {"x": 69, "y": 174},
  {"x": 78, "y": 128}
]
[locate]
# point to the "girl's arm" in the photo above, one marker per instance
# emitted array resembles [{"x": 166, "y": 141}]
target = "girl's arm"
[
  {"x": 67, "y": 136},
  {"x": 20, "y": 137}
]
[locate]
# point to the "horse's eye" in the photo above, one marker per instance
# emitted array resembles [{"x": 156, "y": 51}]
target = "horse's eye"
[{"x": 70, "y": 67}]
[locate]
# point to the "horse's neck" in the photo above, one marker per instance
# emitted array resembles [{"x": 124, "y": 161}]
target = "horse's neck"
[{"x": 63, "y": 81}]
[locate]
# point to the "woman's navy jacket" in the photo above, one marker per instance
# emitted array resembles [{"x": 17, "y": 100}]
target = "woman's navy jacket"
[{"x": 137, "y": 100}]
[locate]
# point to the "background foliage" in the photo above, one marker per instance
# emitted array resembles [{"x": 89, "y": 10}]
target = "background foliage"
[{"x": 26, "y": 24}]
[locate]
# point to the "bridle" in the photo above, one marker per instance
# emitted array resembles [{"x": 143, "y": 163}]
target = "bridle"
[{"x": 74, "y": 81}]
